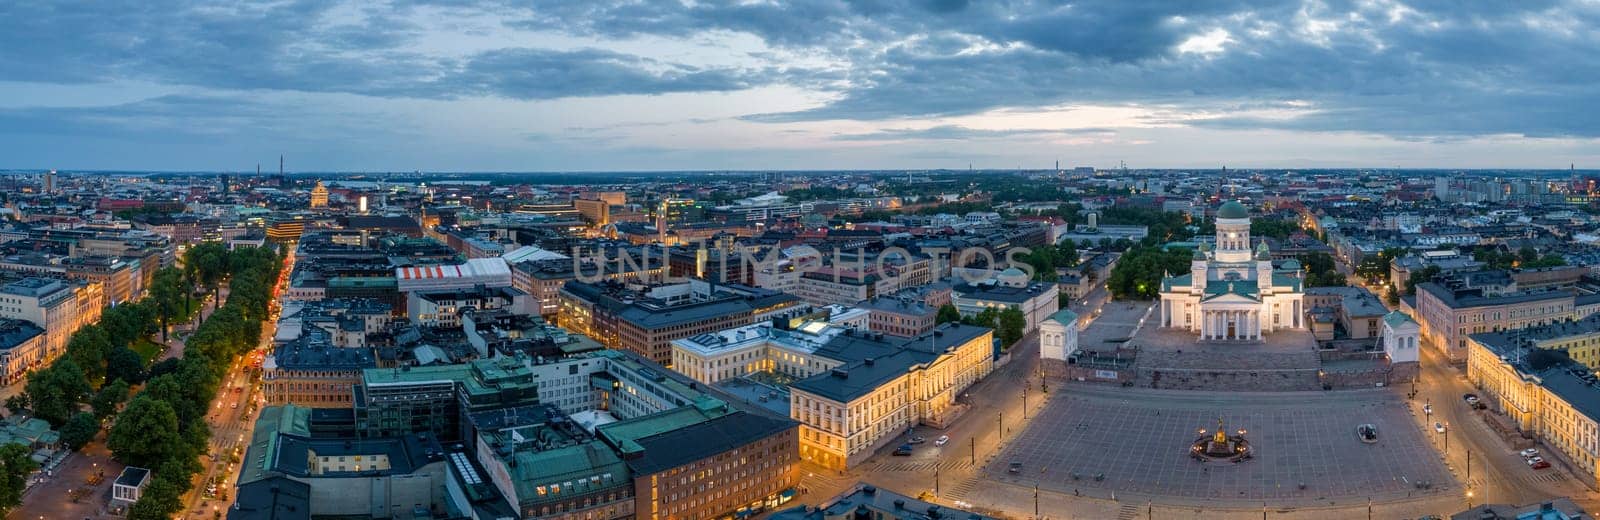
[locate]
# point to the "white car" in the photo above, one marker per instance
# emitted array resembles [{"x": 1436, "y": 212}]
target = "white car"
[
  {"x": 1438, "y": 427},
  {"x": 1535, "y": 460},
  {"x": 942, "y": 440},
  {"x": 1530, "y": 452}
]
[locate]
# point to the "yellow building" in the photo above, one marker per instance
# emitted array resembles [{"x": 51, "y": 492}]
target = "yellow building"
[
  {"x": 1532, "y": 377},
  {"x": 319, "y": 196},
  {"x": 884, "y": 387}
]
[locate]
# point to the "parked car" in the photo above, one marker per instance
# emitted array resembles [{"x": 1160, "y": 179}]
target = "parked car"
[
  {"x": 917, "y": 440},
  {"x": 1016, "y": 467},
  {"x": 1368, "y": 433},
  {"x": 1535, "y": 460},
  {"x": 1470, "y": 398},
  {"x": 1541, "y": 465},
  {"x": 903, "y": 450},
  {"x": 1438, "y": 427},
  {"x": 942, "y": 440},
  {"x": 1527, "y": 453}
]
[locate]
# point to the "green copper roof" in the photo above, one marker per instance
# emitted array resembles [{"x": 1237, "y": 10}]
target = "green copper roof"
[
  {"x": 1182, "y": 280},
  {"x": 1396, "y": 318},
  {"x": 1233, "y": 209},
  {"x": 1243, "y": 288}
]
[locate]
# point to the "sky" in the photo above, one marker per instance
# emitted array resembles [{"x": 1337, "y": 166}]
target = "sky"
[{"x": 609, "y": 85}]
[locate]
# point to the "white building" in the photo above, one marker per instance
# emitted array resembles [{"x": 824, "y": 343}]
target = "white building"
[
  {"x": 1010, "y": 289},
  {"x": 1226, "y": 295},
  {"x": 1400, "y": 337},
  {"x": 488, "y": 272},
  {"x": 1058, "y": 336}
]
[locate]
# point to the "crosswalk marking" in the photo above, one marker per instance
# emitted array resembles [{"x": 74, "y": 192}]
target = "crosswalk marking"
[{"x": 923, "y": 466}]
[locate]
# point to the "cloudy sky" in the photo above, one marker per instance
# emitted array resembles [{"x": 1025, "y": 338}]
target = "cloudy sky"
[{"x": 712, "y": 84}]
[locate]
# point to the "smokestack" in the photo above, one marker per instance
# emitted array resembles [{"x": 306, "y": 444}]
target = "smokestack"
[{"x": 280, "y": 165}]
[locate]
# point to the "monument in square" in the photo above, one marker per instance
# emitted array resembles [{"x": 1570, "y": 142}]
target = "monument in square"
[{"x": 1231, "y": 293}]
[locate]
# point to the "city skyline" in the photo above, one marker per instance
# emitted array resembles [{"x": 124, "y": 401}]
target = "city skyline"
[{"x": 599, "y": 86}]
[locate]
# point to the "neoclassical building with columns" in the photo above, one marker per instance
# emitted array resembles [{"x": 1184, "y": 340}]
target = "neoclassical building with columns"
[{"x": 1230, "y": 293}]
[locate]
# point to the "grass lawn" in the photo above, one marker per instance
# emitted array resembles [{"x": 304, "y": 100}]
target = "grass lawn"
[{"x": 147, "y": 349}]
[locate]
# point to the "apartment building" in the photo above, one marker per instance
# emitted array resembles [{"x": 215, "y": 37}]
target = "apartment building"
[
  {"x": 648, "y": 322},
  {"x": 21, "y": 350},
  {"x": 444, "y": 308},
  {"x": 853, "y": 390},
  {"x": 313, "y": 373},
  {"x": 1489, "y": 301},
  {"x": 904, "y": 317},
  {"x": 883, "y": 388},
  {"x": 51, "y": 305},
  {"x": 1011, "y": 289}
]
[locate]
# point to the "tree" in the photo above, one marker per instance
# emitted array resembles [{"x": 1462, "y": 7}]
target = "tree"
[
  {"x": 1328, "y": 279},
  {"x": 88, "y": 349},
  {"x": 165, "y": 366},
  {"x": 167, "y": 293},
  {"x": 158, "y": 501},
  {"x": 123, "y": 364},
  {"x": 56, "y": 391},
  {"x": 1139, "y": 272},
  {"x": 1067, "y": 253},
  {"x": 1392, "y": 296},
  {"x": 948, "y": 313},
  {"x": 1012, "y": 321},
  {"x": 1425, "y": 274},
  {"x": 986, "y": 318},
  {"x": 110, "y": 396},
  {"x": 15, "y": 467},
  {"x": 79, "y": 430},
  {"x": 18, "y": 403},
  {"x": 1279, "y": 229},
  {"x": 146, "y": 433}
]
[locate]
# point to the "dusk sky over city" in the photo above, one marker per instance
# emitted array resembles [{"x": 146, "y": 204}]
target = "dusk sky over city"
[{"x": 641, "y": 85}]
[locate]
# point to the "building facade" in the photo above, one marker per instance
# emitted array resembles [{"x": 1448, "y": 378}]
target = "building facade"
[{"x": 1227, "y": 295}]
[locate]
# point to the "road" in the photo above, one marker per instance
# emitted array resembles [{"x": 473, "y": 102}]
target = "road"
[
  {"x": 995, "y": 414},
  {"x": 232, "y": 421},
  {"x": 1498, "y": 473}
]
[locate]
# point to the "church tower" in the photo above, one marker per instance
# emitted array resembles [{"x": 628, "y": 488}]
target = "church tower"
[{"x": 1233, "y": 233}]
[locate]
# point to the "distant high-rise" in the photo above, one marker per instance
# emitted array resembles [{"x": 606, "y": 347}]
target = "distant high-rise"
[
  {"x": 227, "y": 185},
  {"x": 50, "y": 182},
  {"x": 319, "y": 196},
  {"x": 1441, "y": 187}
]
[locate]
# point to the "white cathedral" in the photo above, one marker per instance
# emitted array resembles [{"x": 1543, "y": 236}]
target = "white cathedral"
[{"x": 1230, "y": 294}]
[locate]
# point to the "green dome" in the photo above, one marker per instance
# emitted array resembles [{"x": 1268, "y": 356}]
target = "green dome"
[{"x": 1233, "y": 209}]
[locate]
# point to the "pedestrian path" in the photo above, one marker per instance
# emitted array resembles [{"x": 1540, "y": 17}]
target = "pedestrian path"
[
  {"x": 1553, "y": 476},
  {"x": 923, "y": 466},
  {"x": 961, "y": 489},
  {"x": 1127, "y": 512}
]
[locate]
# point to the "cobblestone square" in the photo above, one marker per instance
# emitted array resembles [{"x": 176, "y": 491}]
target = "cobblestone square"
[{"x": 1138, "y": 440}]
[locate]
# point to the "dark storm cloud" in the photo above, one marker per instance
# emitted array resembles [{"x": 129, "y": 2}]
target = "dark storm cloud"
[
  {"x": 1404, "y": 68},
  {"x": 308, "y": 47},
  {"x": 545, "y": 74}
]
